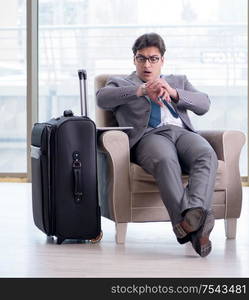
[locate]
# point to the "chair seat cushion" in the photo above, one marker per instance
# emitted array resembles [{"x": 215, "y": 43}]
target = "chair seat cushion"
[{"x": 141, "y": 181}]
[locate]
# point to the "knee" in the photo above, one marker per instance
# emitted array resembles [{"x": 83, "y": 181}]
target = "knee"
[{"x": 209, "y": 154}]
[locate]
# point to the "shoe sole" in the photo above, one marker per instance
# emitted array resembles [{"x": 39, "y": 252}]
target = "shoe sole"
[
  {"x": 192, "y": 221},
  {"x": 200, "y": 240},
  {"x": 184, "y": 240}
]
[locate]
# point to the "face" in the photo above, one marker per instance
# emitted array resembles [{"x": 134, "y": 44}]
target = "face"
[{"x": 145, "y": 69}]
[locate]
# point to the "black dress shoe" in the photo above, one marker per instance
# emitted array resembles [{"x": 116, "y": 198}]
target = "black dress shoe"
[
  {"x": 184, "y": 240},
  {"x": 200, "y": 239}
]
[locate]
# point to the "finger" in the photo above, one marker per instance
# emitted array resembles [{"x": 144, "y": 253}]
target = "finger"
[
  {"x": 158, "y": 89},
  {"x": 152, "y": 95},
  {"x": 157, "y": 100},
  {"x": 165, "y": 85},
  {"x": 148, "y": 83},
  {"x": 168, "y": 99},
  {"x": 162, "y": 93},
  {"x": 155, "y": 85},
  {"x": 150, "y": 87},
  {"x": 158, "y": 84},
  {"x": 165, "y": 95},
  {"x": 164, "y": 82}
]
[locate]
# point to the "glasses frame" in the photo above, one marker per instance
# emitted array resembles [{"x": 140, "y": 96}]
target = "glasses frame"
[{"x": 149, "y": 58}]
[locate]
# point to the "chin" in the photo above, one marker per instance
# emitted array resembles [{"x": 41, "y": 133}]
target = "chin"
[{"x": 147, "y": 78}]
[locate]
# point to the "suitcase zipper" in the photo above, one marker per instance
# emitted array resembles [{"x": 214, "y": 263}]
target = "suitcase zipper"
[{"x": 50, "y": 184}]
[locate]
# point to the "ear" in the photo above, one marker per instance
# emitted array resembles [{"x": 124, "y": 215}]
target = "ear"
[
  {"x": 134, "y": 60},
  {"x": 163, "y": 59}
]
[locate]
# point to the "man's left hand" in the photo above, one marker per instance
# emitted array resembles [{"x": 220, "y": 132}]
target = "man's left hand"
[{"x": 160, "y": 82}]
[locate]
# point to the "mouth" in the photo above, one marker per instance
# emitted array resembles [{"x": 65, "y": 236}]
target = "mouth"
[{"x": 147, "y": 73}]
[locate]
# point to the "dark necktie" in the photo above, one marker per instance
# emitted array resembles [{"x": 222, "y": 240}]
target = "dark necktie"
[
  {"x": 171, "y": 109},
  {"x": 155, "y": 116}
]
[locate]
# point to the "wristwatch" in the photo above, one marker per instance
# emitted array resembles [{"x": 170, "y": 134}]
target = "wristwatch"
[{"x": 143, "y": 87}]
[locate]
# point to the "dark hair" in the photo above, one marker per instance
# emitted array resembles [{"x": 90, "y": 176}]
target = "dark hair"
[{"x": 149, "y": 40}]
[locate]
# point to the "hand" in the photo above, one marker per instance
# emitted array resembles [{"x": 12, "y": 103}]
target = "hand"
[
  {"x": 163, "y": 88},
  {"x": 155, "y": 89},
  {"x": 153, "y": 92}
]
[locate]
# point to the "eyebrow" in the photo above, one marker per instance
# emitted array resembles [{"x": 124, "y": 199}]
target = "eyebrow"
[{"x": 154, "y": 55}]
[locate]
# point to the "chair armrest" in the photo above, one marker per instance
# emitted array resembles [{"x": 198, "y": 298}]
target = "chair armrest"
[
  {"x": 114, "y": 145},
  {"x": 228, "y": 145},
  {"x": 222, "y": 141}
]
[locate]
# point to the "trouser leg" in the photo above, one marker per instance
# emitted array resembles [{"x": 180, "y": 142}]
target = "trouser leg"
[
  {"x": 157, "y": 155},
  {"x": 167, "y": 151},
  {"x": 199, "y": 160}
]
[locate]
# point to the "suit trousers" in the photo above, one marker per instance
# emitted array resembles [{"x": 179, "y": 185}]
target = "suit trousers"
[{"x": 169, "y": 151}]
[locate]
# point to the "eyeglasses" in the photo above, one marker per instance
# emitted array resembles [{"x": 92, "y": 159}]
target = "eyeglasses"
[{"x": 142, "y": 59}]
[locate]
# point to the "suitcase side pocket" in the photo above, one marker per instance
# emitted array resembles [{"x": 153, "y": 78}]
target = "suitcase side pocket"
[{"x": 37, "y": 190}]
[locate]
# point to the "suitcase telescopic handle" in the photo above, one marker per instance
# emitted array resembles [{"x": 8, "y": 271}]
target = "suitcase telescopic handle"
[
  {"x": 83, "y": 95},
  {"x": 82, "y": 74}
]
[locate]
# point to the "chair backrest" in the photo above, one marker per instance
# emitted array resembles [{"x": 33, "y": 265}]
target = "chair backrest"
[{"x": 104, "y": 118}]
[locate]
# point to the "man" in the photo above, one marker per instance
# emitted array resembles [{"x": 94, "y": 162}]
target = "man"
[{"x": 164, "y": 142}]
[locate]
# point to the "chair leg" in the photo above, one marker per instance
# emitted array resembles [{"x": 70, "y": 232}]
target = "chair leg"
[
  {"x": 230, "y": 228},
  {"x": 121, "y": 229}
]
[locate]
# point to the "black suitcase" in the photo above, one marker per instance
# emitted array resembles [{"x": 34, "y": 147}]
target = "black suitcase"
[{"x": 64, "y": 175}]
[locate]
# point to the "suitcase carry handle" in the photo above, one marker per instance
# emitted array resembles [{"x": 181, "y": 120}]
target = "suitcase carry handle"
[
  {"x": 82, "y": 77},
  {"x": 77, "y": 171}
]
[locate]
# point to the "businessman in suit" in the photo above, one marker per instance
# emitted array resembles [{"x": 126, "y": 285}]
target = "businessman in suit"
[{"x": 164, "y": 142}]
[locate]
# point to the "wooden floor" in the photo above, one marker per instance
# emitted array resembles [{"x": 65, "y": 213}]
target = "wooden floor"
[{"x": 151, "y": 249}]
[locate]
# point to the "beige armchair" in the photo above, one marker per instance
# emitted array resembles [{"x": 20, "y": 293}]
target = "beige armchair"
[{"x": 128, "y": 194}]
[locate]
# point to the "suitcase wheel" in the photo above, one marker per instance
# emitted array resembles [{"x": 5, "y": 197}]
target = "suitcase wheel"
[
  {"x": 98, "y": 238},
  {"x": 60, "y": 240}
]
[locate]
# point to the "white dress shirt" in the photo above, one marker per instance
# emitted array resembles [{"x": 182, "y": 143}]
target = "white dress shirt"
[{"x": 167, "y": 118}]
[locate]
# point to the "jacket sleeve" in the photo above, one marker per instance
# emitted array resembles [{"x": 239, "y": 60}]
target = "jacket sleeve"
[
  {"x": 192, "y": 99},
  {"x": 117, "y": 92}
]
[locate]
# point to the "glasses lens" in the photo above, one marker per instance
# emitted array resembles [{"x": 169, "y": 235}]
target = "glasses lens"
[
  {"x": 153, "y": 59},
  {"x": 141, "y": 59}
]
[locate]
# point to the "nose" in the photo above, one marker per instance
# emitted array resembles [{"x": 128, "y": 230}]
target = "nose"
[{"x": 147, "y": 63}]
